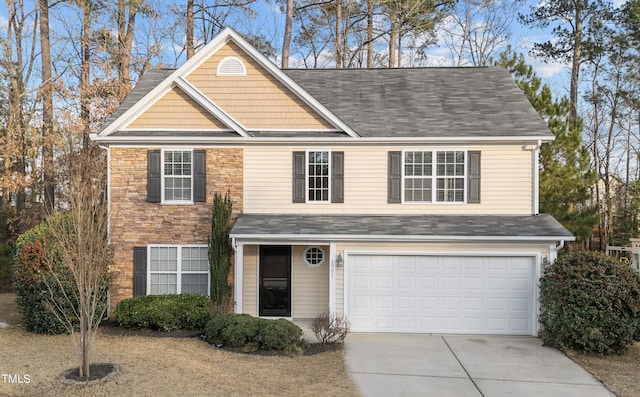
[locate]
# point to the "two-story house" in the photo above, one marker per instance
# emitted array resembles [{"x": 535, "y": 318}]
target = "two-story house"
[{"x": 404, "y": 198}]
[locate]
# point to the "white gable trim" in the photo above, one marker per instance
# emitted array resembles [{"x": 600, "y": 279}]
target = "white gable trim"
[
  {"x": 178, "y": 78},
  {"x": 210, "y": 106},
  {"x": 287, "y": 81}
]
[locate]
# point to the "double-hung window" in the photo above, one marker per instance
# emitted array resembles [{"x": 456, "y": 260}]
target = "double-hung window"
[
  {"x": 178, "y": 269},
  {"x": 434, "y": 176},
  {"x": 177, "y": 175},
  {"x": 318, "y": 172}
]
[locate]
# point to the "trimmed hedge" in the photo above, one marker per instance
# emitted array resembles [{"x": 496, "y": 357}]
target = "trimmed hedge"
[
  {"x": 164, "y": 312},
  {"x": 35, "y": 252},
  {"x": 253, "y": 333},
  {"x": 591, "y": 302}
]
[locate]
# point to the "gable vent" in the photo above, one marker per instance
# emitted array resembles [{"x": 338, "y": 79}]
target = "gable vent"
[{"x": 231, "y": 66}]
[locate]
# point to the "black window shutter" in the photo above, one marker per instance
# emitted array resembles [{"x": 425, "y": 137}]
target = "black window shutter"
[
  {"x": 154, "y": 176},
  {"x": 337, "y": 177},
  {"x": 199, "y": 175},
  {"x": 139, "y": 271},
  {"x": 394, "y": 178},
  {"x": 299, "y": 187},
  {"x": 473, "y": 177}
]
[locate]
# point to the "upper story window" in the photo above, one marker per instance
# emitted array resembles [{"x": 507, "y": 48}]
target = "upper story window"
[
  {"x": 177, "y": 175},
  {"x": 318, "y": 186},
  {"x": 318, "y": 176},
  {"x": 434, "y": 176}
]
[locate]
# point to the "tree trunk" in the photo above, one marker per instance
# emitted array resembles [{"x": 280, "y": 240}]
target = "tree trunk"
[
  {"x": 286, "y": 40},
  {"x": 338, "y": 34},
  {"x": 47, "y": 109},
  {"x": 370, "y": 34},
  {"x": 575, "y": 68},
  {"x": 393, "y": 37},
  {"x": 85, "y": 99},
  {"x": 189, "y": 44}
]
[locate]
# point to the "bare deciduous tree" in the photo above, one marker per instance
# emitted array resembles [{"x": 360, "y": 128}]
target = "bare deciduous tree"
[{"x": 81, "y": 236}]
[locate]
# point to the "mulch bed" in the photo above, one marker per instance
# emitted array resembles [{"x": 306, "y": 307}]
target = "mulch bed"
[
  {"x": 97, "y": 372},
  {"x": 111, "y": 328}
]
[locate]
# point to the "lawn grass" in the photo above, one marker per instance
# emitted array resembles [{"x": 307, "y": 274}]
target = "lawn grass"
[
  {"x": 153, "y": 366},
  {"x": 618, "y": 372}
]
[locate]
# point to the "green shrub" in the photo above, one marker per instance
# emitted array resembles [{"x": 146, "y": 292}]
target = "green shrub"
[
  {"x": 35, "y": 252},
  {"x": 590, "y": 302},
  {"x": 164, "y": 312},
  {"x": 280, "y": 335},
  {"x": 251, "y": 333}
]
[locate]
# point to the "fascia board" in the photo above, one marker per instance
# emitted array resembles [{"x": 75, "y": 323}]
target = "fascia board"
[
  {"x": 396, "y": 238},
  {"x": 324, "y": 140}
]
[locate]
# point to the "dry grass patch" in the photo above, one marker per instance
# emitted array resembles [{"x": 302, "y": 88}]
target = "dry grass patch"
[
  {"x": 152, "y": 366},
  {"x": 618, "y": 373}
]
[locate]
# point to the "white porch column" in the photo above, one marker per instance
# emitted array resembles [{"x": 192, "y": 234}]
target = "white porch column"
[
  {"x": 238, "y": 272},
  {"x": 332, "y": 278}
]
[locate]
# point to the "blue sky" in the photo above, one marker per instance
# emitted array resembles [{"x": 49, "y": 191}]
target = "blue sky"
[{"x": 270, "y": 23}]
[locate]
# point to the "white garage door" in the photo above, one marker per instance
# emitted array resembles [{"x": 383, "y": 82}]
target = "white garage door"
[{"x": 441, "y": 294}]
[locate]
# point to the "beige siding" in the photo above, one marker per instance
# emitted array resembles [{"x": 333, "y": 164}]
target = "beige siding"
[
  {"x": 250, "y": 280},
  {"x": 340, "y": 290},
  {"x": 257, "y": 100},
  {"x": 445, "y": 248},
  {"x": 176, "y": 110},
  {"x": 310, "y": 295},
  {"x": 506, "y": 183}
]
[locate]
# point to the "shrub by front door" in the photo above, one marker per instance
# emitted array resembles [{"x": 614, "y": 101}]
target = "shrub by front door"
[{"x": 275, "y": 280}]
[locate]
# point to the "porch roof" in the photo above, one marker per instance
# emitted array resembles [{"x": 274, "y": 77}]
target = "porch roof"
[{"x": 404, "y": 227}]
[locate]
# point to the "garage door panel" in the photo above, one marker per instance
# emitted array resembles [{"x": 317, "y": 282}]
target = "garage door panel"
[{"x": 441, "y": 294}]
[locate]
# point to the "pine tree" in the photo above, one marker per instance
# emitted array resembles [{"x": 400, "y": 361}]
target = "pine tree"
[{"x": 565, "y": 174}]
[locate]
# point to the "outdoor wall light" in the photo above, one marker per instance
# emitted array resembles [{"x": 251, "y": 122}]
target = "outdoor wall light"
[{"x": 339, "y": 261}]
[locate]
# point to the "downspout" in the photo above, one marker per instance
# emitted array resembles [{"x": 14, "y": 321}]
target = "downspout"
[
  {"x": 237, "y": 277},
  {"x": 536, "y": 179},
  {"x": 106, "y": 148}
]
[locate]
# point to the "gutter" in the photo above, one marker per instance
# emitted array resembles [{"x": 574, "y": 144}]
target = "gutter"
[{"x": 397, "y": 238}]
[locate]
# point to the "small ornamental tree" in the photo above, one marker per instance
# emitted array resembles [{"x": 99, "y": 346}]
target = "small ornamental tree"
[
  {"x": 220, "y": 249},
  {"x": 591, "y": 302},
  {"x": 81, "y": 236}
]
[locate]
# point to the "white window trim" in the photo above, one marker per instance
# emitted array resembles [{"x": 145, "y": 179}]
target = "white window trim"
[
  {"x": 306, "y": 177},
  {"x": 178, "y": 267},
  {"x": 163, "y": 176},
  {"x": 434, "y": 176}
]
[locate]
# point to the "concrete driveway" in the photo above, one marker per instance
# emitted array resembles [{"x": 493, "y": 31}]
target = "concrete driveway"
[{"x": 465, "y": 366}]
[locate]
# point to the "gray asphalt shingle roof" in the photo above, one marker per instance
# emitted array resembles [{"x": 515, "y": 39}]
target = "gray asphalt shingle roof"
[
  {"x": 424, "y": 102},
  {"x": 409, "y": 102},
  {"x": 427, "y": 226}
]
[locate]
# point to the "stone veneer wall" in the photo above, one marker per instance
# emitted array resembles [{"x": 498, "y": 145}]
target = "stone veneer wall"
[{"x": 136, "y": 223}]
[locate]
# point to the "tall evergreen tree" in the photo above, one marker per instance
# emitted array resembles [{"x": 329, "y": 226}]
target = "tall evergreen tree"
[
  {"x": 565, "y": 173},
  {"x": 575, "y": 36},
  {"x": 220, "y": 248}
]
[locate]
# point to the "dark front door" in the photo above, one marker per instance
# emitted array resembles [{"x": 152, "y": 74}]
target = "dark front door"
[{"x": 275, "y": 280}]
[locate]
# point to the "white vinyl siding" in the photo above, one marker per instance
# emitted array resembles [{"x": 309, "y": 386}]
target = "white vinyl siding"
[{"x": 506, "y": 183}]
